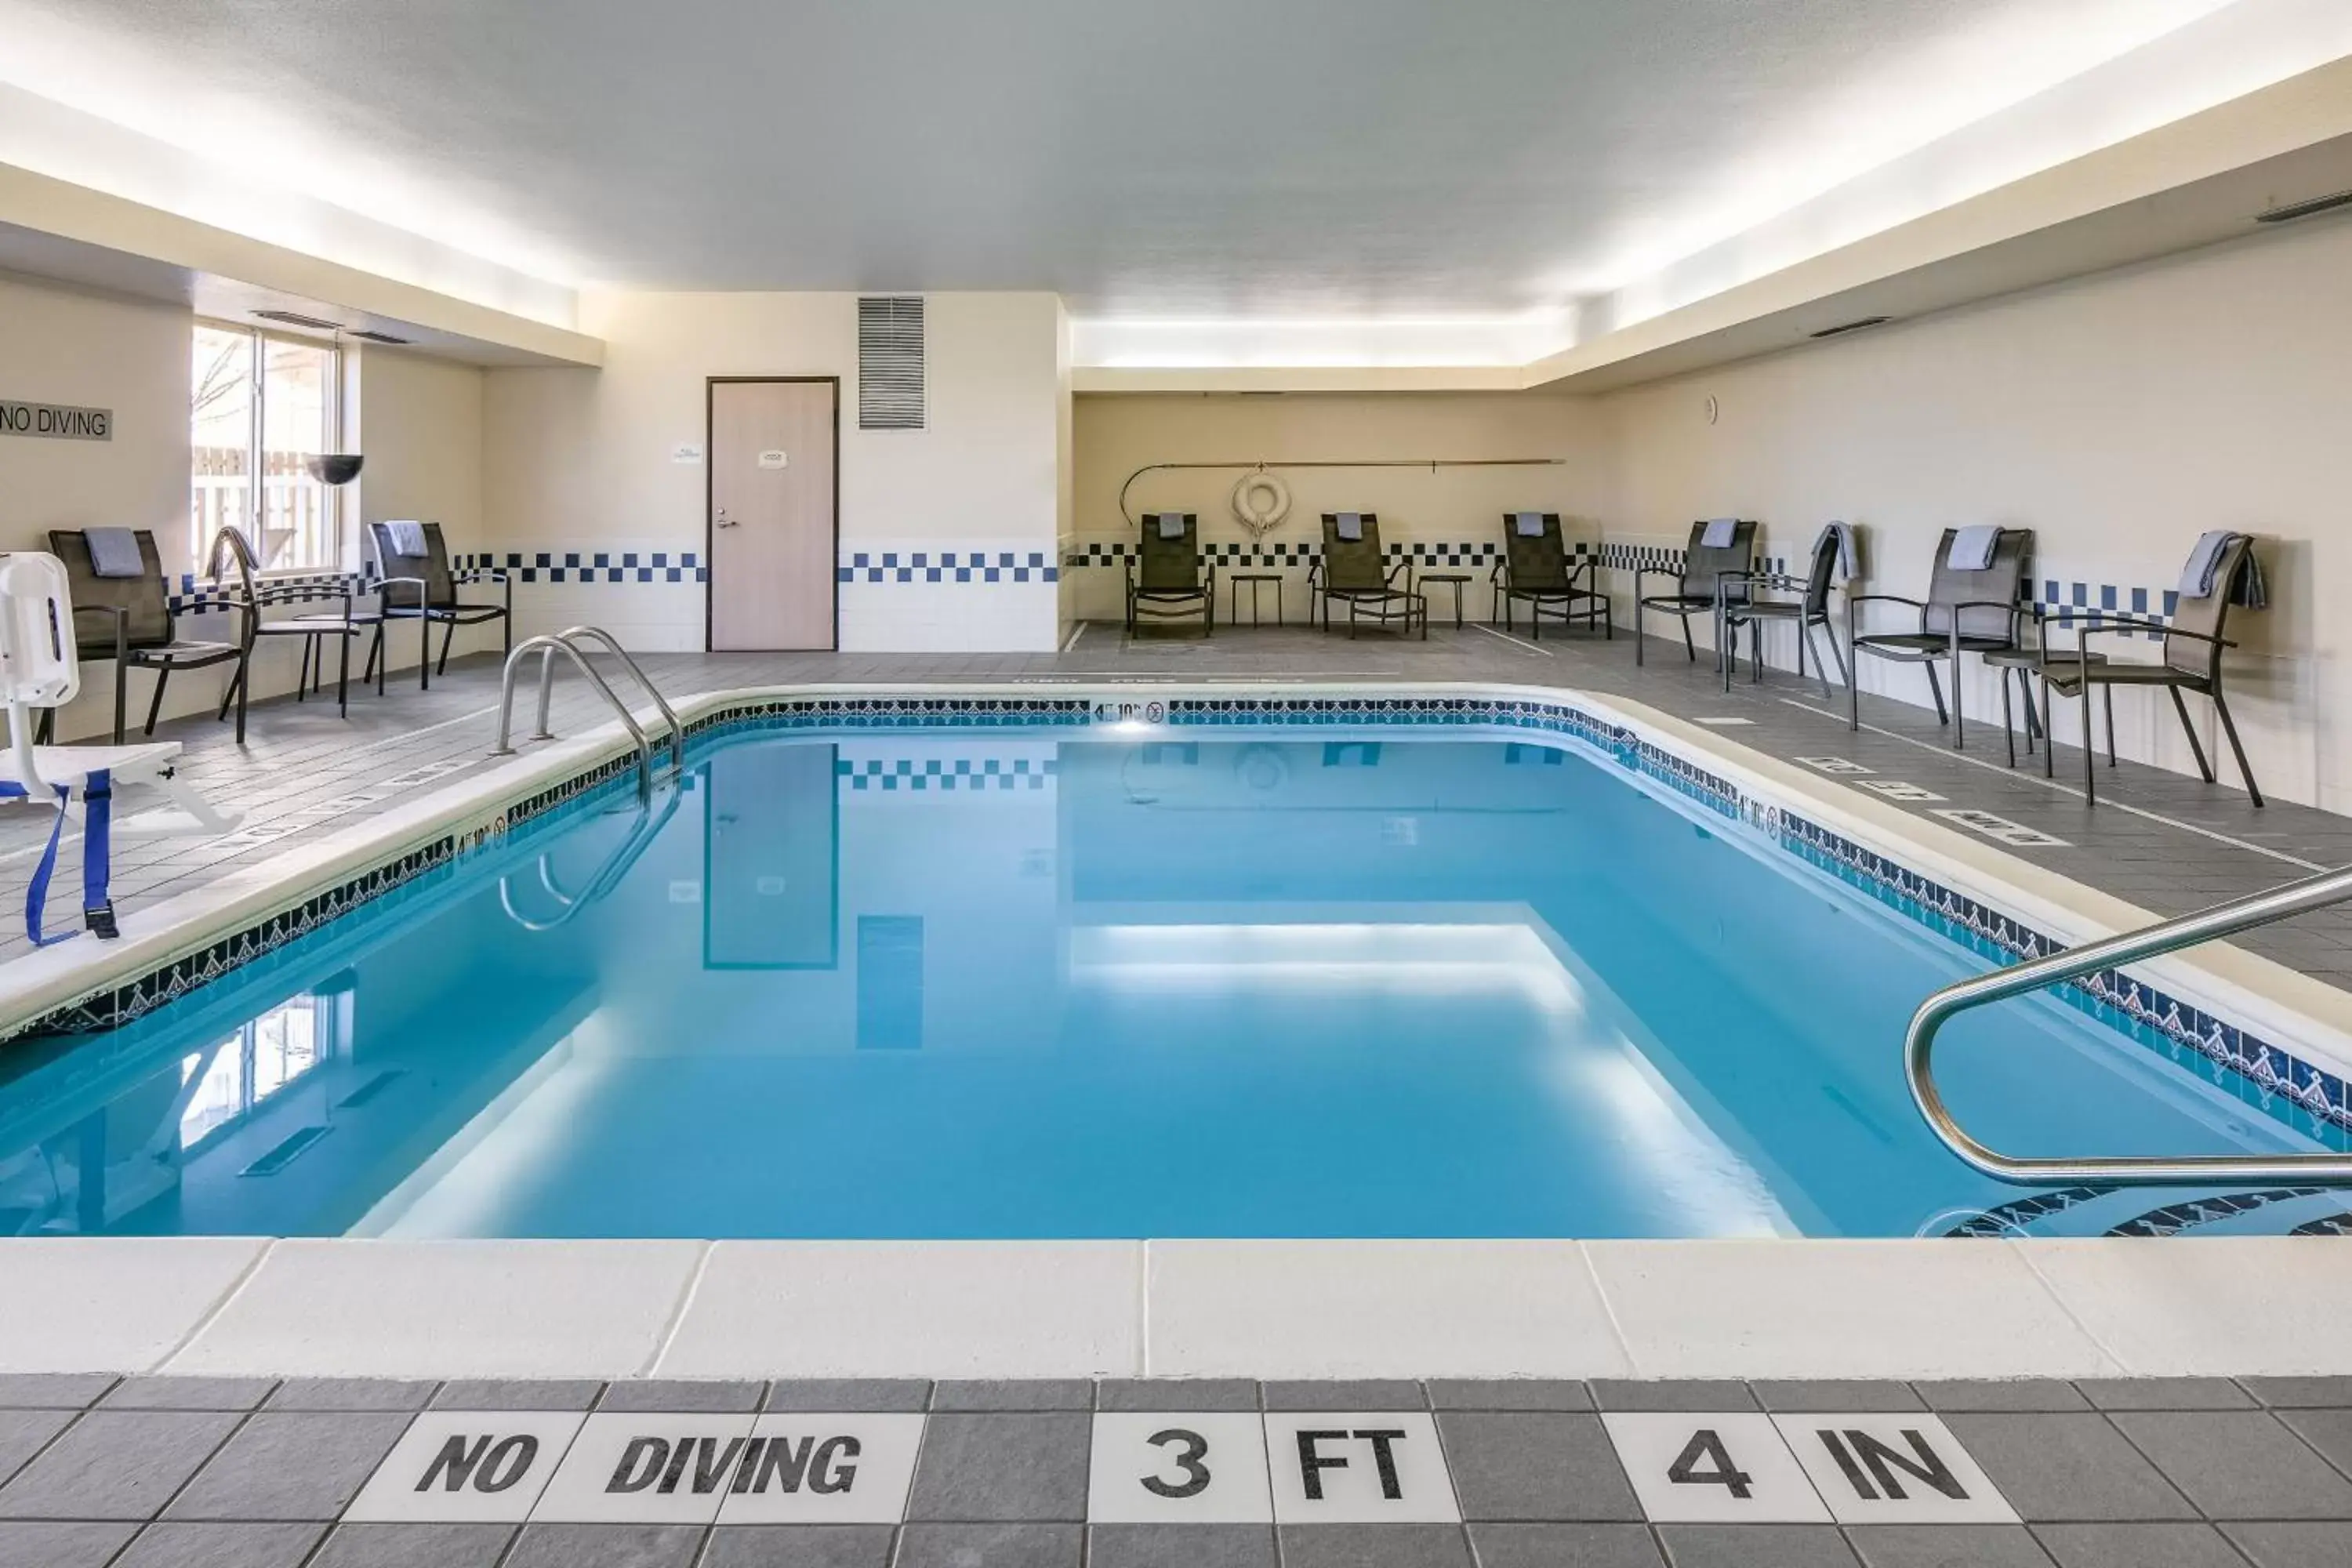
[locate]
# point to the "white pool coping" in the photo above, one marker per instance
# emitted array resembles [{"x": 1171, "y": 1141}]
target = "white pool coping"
[{"x": 1775, "y": 1307}]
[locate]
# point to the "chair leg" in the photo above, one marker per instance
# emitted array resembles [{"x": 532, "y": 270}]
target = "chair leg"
[
  {"x": 2195, "y": 749},
  {"x": 1935, "y": 690},
  {"x": 1959, "y": 722},
  {"x": 1690, "y": 649},
  {"x": 2231, "y": 729},
  {"x": 244, "y": 689},
  {"x": 2110, "y": 693},
  {"x": 228, "y": 694},
  {"x": 424, "y": 652},
  {"x": 303, "y": 675},
  {"x": 2049, "y": 741},
  {"x": 1755, "y": 653},
  {"x": 2008, "y": 736},
  {"x": 448, "y": 635},
  {"x": 155, "y": 705},
  {"x": 1637, "y": 629},
  {"x": 2032, "y": 719}
]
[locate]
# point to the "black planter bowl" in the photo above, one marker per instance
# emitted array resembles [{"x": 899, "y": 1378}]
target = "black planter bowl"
[{"x": 335, "y": 467}]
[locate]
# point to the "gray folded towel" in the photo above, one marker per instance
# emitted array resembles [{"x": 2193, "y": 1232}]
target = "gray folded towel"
[
  {"x": 114, "y": 553},
  {"x": 1349, "y": 524},
  {"x": 407, "y": 538},
  {"x": 2196, "y": 578},
  {"x": 1848, "y": 549},
  {"x": 1530, "y": 524},
  {"x": 1972, "y": 547},
  {"x": 1171, "y": 524},
  {"x": 1720, "y": 531}
]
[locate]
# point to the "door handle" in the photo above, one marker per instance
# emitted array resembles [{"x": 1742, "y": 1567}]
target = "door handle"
[{"x": 723, "y": 520}]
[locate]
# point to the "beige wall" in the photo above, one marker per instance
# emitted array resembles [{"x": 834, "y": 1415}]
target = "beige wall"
[
  {"x": 2117, "y": 415},
  {"x": 1118, "y": 435},
  {"x": 419, "y": 423},
  {"x": 584, "y": 458}
]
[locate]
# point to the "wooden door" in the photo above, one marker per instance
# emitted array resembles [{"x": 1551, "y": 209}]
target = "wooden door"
[{"x": 772, "y": 514}]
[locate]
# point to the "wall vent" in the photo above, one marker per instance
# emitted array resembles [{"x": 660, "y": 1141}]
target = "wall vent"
[
  {"x": 372, "y": 335},
  {"x": 296, "y": 319},
  {"x": 2304, "y": 209},
  {"x": 1850, "y": 326},
  {"x": 890, "y": 363}
]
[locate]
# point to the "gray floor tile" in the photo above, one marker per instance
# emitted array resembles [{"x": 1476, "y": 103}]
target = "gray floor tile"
[
  {"x": 1509, "y": 1393},
  {"x": 116, "y": 1464},
  {"x": 173, "y": 1545},
  {"x": 1565, "y": 1546},
  {"x": 2238, "y": 1464},
  {"x": 672, "y": 1396},
  {"x": 533, "y": 1394},
  {"x": 23, "y": 1433},
  {"x": 1358, "y": 1394},
  {"x": 2136, "y": 1546},
  {"x": 1176, "y": 1393},
  {"x": 991, "y": 1546},
  {"x": 2294, "y": 1544},
  {"x": 350, "y": 1394},
  {"x": 1854, "y": 1395},
  {"x": 2026, "y": 1393},
  {"x": 1181, "y": 1546},
  {"x": 986, "y": 1468},
  {"x": 415, "y": 1546},
  {"x": 1013, "y": 1394},
  {"x": 1374, "y": 1546},
  {"x": 799, "y": 1546},
  {"x": 2067, "y": 1467},
  {"x": 1527, "y": 1465},
  {"x": 605, "y": 1546},
  {"x": 2279, "y": 1393},
  {"x": 52, "y": 1391},
  {"x": 828, "y": 1395},
  {"x": 1672, "y": 1393},
  {"x": 2329, "y": 1431},
  {"x": 188, "y": 1393},
  {"x": 61, "y": 1545},
  {"x": 1755, "y": 1546},
  {"x": 291, "y": 1465},
  {"x": 2164, "y": 1393},
  {"x": 1947, "y": 1546}
]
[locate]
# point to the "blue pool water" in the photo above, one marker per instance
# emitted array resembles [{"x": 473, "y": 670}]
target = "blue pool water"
[{"x": 1036, "y": 984}]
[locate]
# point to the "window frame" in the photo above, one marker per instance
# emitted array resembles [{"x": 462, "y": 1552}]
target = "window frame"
[{"x": 257, "y": 422}]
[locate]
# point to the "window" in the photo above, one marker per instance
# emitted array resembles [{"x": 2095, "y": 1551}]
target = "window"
[
  {"x": 259, "y": 408},
  {"x": 265, "y": 1056}
]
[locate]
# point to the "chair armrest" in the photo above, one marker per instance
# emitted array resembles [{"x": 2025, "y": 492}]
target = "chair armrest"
[
  {"x": 1404, "y": 566},
  {"x": 1891, "y": 598},
  {"x": 2112, "y": 623},
  {"x": 1643, "y": 574}
]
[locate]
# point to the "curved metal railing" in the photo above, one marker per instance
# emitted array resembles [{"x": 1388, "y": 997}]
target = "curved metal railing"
[
  {"x": 545, "y": 644},
  {"x": 609, "y": 872},
  {"x": 2170, "y": 936}
]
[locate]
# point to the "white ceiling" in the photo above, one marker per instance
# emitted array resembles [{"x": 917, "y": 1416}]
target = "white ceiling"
[{"x": 1189, "y": 158}]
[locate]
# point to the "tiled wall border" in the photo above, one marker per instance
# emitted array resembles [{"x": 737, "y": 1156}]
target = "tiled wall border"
[{"x": 2265, "y": 1077}]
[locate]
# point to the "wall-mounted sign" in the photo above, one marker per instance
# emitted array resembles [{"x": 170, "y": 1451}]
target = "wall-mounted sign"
[
  {"x": 686, "y": 452},
  {"x": 57, "y": 421},
  {"x": 772, "y": 460}
]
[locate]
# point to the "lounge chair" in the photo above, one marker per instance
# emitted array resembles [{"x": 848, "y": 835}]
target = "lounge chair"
[
  {"x": 1536, "y": 567},
  {"x": 418, "y": 586},
  {"x": 1166, "y": 578},
  {"x": 2193, "y": 644},
  {"x": 1977, "y": 609},
  {"x": 1809, "y": 609},
  {"x": 1695, "y": 582},
  {"x": 254, "y": 594},
  {"x": 1355, "y": 572},
  {"x": 128, "y": 619}
]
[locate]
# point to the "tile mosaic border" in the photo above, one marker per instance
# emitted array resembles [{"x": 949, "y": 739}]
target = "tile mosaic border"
[{"x": 2265, "y": 1077}]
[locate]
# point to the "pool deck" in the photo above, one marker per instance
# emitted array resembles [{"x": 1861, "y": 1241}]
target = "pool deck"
[{"x": 1514, "y": 1363}]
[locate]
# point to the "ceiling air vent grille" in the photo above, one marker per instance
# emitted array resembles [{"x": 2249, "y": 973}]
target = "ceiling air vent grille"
[
  {"x": 372, "y": 335},
  {"x": 1843, "y": 327},
  {"x": 296, "y": 319},
  {"x": 890, "y": 363},
  {"x": 2295, "y": 210}
]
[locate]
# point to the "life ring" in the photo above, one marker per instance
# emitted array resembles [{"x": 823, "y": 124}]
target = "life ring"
[{"x": 1261, "y": 500}]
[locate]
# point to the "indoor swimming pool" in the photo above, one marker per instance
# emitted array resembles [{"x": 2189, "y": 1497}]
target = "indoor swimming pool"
[{"x": 1106, "y": 981}]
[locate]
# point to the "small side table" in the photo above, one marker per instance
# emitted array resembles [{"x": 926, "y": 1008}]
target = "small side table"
[
  {"x": 1254, "y": 579},
  {"x": 1458, "y": 579}
]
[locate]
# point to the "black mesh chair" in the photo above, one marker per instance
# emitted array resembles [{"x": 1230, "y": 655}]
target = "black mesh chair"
[
  {"x": 1980, "y": 611},
  {"x": 1808, "y": 610},
  {"x": 1536, "y": 567},
  {"x": 2193, "y": 644},
  {"x": 233, "y": 550},
  {"x": 1166, "y": 579},
  {"x": 1356, "y": 572},
  {"x": 421, "y": 587},
  {"x": 129, "y": 621},
  {"x": 1695, "y": 582}
]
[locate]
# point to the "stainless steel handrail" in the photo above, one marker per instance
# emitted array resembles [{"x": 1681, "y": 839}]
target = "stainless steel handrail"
[
  {"x": 545, "y": 644},
  {"x": 609, "y": 872},
  {"x": 547, "y": 685},
  {"x": 2170, "y": 936}
]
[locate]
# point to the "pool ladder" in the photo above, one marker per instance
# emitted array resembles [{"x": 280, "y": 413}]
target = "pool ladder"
[
  {"x": 545, "y": 645},
  {"x": 614, "y": 866},
  {"x": 2170, "y": 936}
]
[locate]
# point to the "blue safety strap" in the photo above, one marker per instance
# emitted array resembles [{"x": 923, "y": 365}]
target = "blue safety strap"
[{"x": 97, "y": 857}]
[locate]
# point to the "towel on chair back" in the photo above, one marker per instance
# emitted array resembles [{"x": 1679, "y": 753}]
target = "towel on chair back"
[
  {"x": 1349, "y": 525},
  {"x": 1848, "y": 549},
  {"x": 1720, "y": 531},
  {"x": 1171, "y": 525},
  {"x": 114, "y": 553},
  {"x": 407, "y": 538},
  {"x": 1972, "y": 547},
  {"x": 2197, "y": 578},
  {"x": 1530, "y": 524}
]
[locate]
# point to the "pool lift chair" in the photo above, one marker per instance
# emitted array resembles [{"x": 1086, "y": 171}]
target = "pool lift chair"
[{"x": 40, "y": 670}]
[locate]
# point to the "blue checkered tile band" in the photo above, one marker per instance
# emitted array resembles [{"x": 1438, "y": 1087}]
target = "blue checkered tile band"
[
  {"x": 590, "y": 565},
  {"x": 947, "y": 774},
  {"x": 2091, "y": 603},
  {"x": 1244, "y": 552},
  {"x": 948, "y": 566}
]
